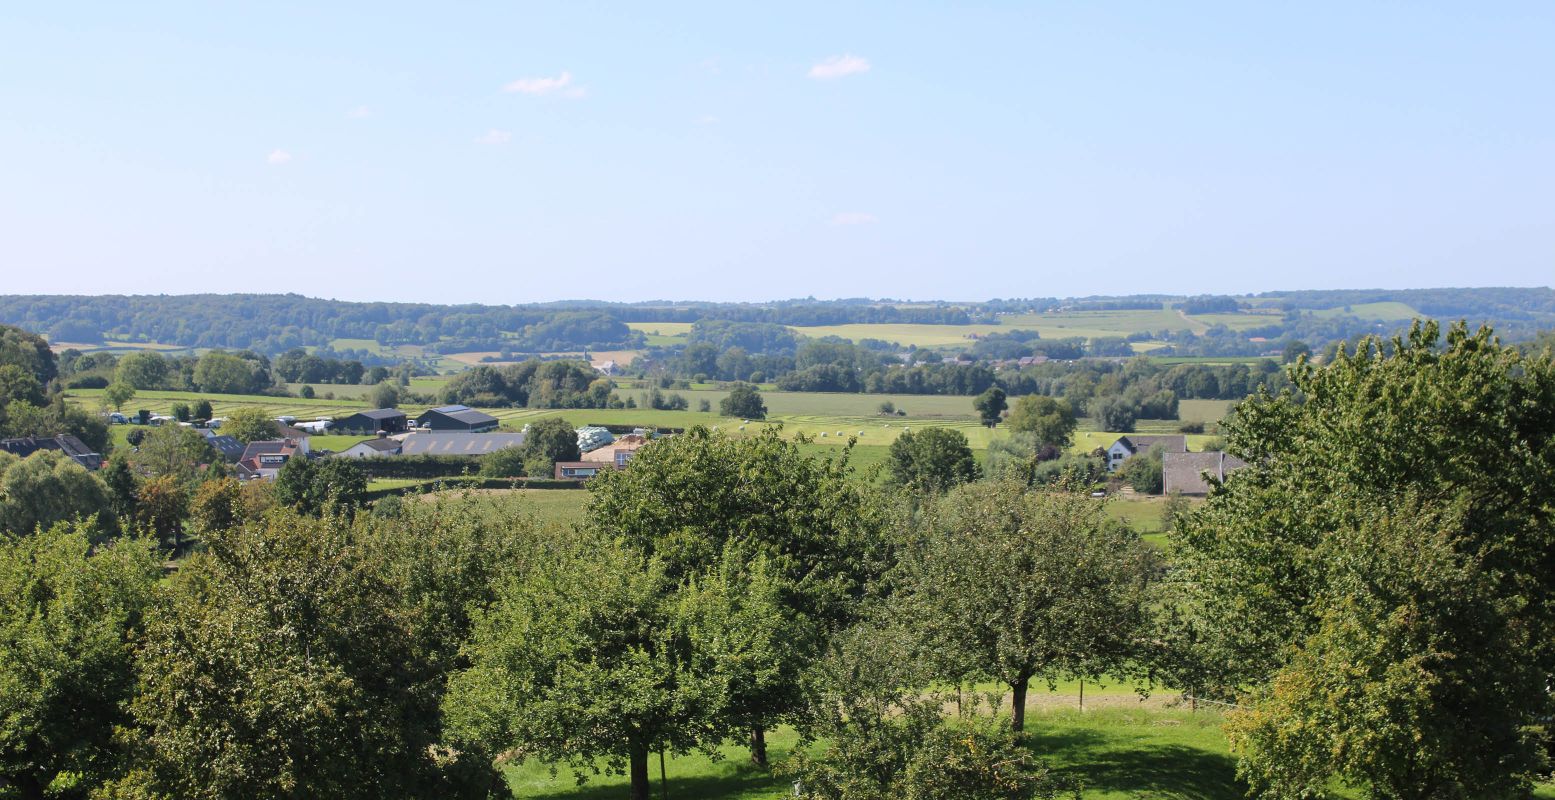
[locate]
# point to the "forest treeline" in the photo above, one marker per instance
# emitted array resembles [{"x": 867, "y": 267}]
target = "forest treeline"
[{"x": 272, "y": 324}]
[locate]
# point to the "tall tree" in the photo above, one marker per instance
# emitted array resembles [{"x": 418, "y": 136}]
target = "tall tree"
[
  {"x": 308, "y": 656},
  {"x": 585, "y": 658},
  {"x": 48, "y": 487},
  {"x": 547, "y": 442},
  {"x": 1016, "y": 584},
  {"x": 931, "y": 460},
  {"x": 68, "y": 613},
  {"x": 249, "y": 424},
  {"x": 990, "y": 406},
  {"x": 1050, "y": 420},
  {"x": 704, "y": 503},
  {"x": 1461, "y": 433},
  {"x": 743, "y": 401},
  {"x": 317, "y": 487}
]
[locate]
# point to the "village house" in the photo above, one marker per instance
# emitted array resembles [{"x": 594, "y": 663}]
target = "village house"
[
  {"x": 262, "y": 460},
  {"x": 1190, "y": 473},
  {"x": 1127, "y": 447}
]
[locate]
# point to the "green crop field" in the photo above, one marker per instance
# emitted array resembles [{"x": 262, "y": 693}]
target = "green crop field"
[
  {"x": 1051, "y": 325},
  {"x": 370, "y": 345},
  {"x": 1387, "y": 312},
  {"x": 661, "y": 328},
  {"x": 222, "y": 404}
]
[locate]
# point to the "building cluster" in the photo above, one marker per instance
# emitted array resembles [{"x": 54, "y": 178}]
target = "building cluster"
[{"x": 1182, "y": 472}]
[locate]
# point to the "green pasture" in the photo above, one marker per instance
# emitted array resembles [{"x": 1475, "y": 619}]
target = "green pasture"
[
  {"x": 1051, "y": 325},
  {"x": 1385, "y": 312},
  {"x": 159, "y": 402},
  {"x": 1205, "y": 411},
  {"x": 370, "y": 345}
]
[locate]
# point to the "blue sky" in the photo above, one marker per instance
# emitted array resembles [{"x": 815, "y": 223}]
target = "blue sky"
[{"x": 515, "y": 152}]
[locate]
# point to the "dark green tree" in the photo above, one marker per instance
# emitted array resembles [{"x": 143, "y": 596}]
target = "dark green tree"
[
  {"x": 931, "y": 460},
  {"x": 317, "y": 487},
  {"x": 583, "y": 658},
  {"x": 1286, "y": 592},
  {"x": 249, "y": 424},
  {"x": 990, "y": 406},
  {"x": 1117, "y": 415},
  {"x": 308, "y": 656},
  {"x": 547, "y": 442},
  {"x": 743, "y": 401},
  {"x": 706, "y": 503},
  {"x": 68, "y": 613},
  {"x": 1014, "y": 584},
  {"x": 49, "y": 487},
  {"x": 1050, "y": 420}
]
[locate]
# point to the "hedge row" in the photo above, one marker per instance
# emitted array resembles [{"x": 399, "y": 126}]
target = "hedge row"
[
  {"x": 473, "y": 482},
  {"x": 419, "y": 466}
]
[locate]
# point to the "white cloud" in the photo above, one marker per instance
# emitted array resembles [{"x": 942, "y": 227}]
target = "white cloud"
[
  {"x": 278, "y": 157},
  {"x": 494, "y": 136},
  {"x": 360, "y": 112},
  {"x": 560, "y": 85},
  {"x": 839, "y": 66},
  {"x": 854, "y": 218}
]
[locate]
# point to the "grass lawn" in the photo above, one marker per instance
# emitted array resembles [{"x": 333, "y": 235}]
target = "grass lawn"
[{"x": 334, "y": 443}]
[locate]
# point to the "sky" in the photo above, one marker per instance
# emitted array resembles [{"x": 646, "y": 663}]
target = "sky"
[{"x": 521, "y": 152}]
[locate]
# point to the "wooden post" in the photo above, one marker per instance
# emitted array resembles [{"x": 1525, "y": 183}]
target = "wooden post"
[{"x": 1082, "y": 694}]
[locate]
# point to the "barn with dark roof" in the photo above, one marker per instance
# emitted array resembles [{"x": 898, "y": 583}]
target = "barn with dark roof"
[{"x": 457, "y": 418}]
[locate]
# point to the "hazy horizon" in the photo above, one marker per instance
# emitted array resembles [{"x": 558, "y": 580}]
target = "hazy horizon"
[{"x": 515, "y": 154}]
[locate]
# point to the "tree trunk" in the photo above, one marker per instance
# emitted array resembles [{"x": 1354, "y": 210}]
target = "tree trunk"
[
  {"x": 640, "y": 788},
  {"x": 1018, "y": 708},
  {"x": 759, "y": 746}
]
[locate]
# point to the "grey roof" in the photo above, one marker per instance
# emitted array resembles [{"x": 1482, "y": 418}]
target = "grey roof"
[
  {"x": 230, "y": 448},
  {"x": 380, "y": 413},
  {"x": 1185, "y": 473},
  {"x": 1171, "y": 443},
  {"x": 65, "y": 443},
  {"x": 378, "y": 444},
  {"x": 458, "y": 443},
  {"x": 264, "y": 448},
  {"x": 464, "y": 414}
]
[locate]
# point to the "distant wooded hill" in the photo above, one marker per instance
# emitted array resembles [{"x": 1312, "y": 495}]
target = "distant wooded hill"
[{"x": 275, "y": 323}]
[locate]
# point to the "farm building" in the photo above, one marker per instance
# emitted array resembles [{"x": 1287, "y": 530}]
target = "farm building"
[
  {"x": 388, "y": 420},
  {"x": 380, "y": 447},
  {"x": 579, "y": 470},
  {"x": 618, "y": 452},
  {"x": 64, "y": 443},
  {"x": 230, "y": 448},
  {"x": 456, "y": 418},
  {"x": 1127, "y": 447},
  {"x": 1189, "y": 473},
  {"x": 458, "y": 443}
]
